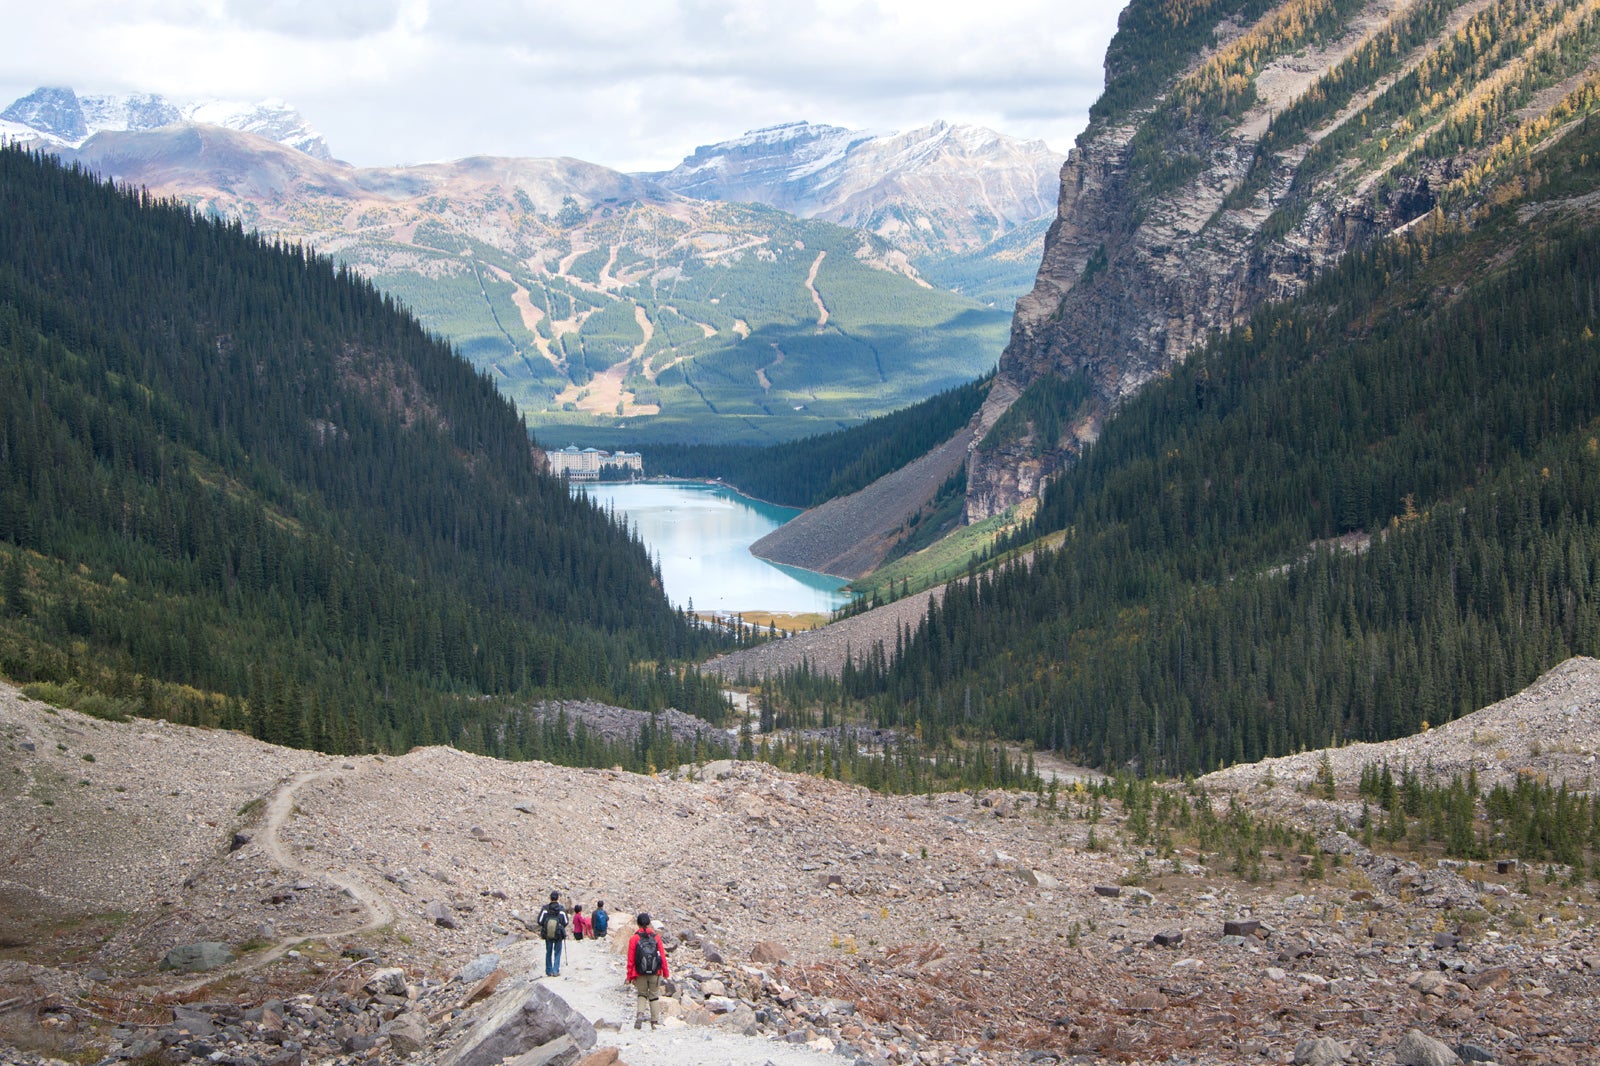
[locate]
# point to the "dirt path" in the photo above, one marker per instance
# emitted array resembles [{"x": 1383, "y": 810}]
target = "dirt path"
[{"x": 279, "y": 807}]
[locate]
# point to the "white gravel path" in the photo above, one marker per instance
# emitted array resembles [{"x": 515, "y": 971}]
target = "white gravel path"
[{"x": 591, "y": 982}]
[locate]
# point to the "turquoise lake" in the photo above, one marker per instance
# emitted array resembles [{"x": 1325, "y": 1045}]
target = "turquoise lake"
[{"x": 702, "y": 535}]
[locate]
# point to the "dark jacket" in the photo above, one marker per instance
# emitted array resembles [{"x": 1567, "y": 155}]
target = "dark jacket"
[{"x": 556, "y": 911}]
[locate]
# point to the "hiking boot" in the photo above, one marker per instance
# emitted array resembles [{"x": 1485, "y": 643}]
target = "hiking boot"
[{"x": 638, "y": 1023}]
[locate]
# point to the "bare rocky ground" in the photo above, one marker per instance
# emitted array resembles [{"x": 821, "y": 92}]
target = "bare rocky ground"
[
  {"x": 826, "y": 649},
  {"x": 808, "y": 921}
]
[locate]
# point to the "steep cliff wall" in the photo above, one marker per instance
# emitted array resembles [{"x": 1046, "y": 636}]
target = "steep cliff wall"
[{"x": 1211, "y": 182}]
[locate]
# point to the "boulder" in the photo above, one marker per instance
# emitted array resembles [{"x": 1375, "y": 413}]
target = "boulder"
[
  {"x": 1036, "y": 878},
  {"x": 767, "y": 952},
  {"x": 389, "y": 981},
  {"x": 484, "y": 988},
  {"x": 1322, "y": 1051},
  {"x": 1241, "y": 927},
  {"x": 518, "y": 1020},
  {"x": 407, "y": 1035},
  {"x": 739, "y": 1020},
  {"x": 194, "y": 1022},
  {"x": 1419, "y": 1049},
  {"x": 440, "y": 915},
  {"x": 562, "y": 1051},
  {"x": 1109, "y": 891},
  {"x": 479, "y": 968},
  {"x": 194, "y": 958}
]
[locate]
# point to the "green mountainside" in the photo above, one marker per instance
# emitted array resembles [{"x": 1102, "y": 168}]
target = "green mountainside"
[
  {"x": 239, "y": 487},
  {"x": 1368, "y": 509},
  {"x": 611, "y": 311},
  {"x": 810, "y": 471}
]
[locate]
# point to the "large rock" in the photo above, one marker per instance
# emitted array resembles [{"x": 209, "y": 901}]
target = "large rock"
[
  {"x": 1419, "y": 1049},
  {"x": 1036, "y": 878},
  {"x": 407, "y": 1035},
  {"x": 767, "y": 952},
  {"x": 389, "y": 981},
  {"x": 1320, "y": 1051},
  {"x": 194, "y": 958},
  {"x": 479, "y": 968},
  {"x": 517, "y": 1021},
  {"x": 562, "y": 1051},
  {"x": 441, "y": 915}
]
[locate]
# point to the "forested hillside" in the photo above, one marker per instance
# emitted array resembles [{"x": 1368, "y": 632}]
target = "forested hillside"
[
  {"x": 1370, "y": 509},
  {"x": 239, "y": 487},
  {"x": 809, "y": 471}
]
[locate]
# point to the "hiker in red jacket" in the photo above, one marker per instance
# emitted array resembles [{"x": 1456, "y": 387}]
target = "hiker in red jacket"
[{"x": 647, "y": 966}]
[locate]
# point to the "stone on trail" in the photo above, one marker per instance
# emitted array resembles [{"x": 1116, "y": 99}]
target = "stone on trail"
[
  {"x": 193, "y": 958},
  {"x": 518, "y": 1020},
  {"x": 440, "y": 915},
  {"x": 1322, "y": 1051},
  {"x": 767, "y": 952},
  {"x": 605, "y": 1056},
  {"x": 1419, "y": 1049}
]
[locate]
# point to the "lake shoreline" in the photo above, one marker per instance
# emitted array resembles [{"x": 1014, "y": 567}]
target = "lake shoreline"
[{"x": 700, "y": 532}]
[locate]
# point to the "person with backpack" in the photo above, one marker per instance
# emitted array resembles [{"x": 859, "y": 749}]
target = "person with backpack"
[
  {"x": 647, "y": 968},
  {"x": 552, "y": 923},
  {"x": 581, "y": 925},
  {"x": 601, "y": 921}
]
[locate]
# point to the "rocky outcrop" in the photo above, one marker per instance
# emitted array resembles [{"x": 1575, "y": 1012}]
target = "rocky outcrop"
[
  {"x": 938, "y": 189},
  {"x": 1235, "y": 181}
]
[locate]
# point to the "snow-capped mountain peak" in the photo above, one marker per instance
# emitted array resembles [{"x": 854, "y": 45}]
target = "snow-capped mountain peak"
[
  {"x": 59, "y": 116},
  {"x": 940, "y": 184}
]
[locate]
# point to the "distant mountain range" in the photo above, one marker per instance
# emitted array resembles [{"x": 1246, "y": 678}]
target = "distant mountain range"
[
  {"x": 616, "y": 307},
  {"x": 60, "y": 117},
  {"x": 932, "y": 191}
]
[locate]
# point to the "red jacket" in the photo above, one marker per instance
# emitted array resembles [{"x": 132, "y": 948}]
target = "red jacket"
[
  {"x": 633, "y": 943},
  {"x": 581, "y": 926}
]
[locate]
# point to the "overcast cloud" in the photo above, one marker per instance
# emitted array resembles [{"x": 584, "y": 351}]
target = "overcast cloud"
[{"x": 632, "y": 85}]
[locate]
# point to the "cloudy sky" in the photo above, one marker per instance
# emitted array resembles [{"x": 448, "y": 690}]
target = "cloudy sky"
[{"x": 632, "y": 84}]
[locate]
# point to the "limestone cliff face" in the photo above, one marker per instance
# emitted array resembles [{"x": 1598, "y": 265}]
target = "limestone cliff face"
[{"x": 1281, "y": 144}]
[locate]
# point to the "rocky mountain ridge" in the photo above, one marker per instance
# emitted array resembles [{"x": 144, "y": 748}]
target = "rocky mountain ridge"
[
  {"x": 1291, "y": 133},
  {"x": 934, "y": 190}
]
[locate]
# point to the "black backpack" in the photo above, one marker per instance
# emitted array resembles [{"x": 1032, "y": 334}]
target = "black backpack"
[
  {"x": 553, "y": 922},
  {"x": 647, "y": 954}
]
